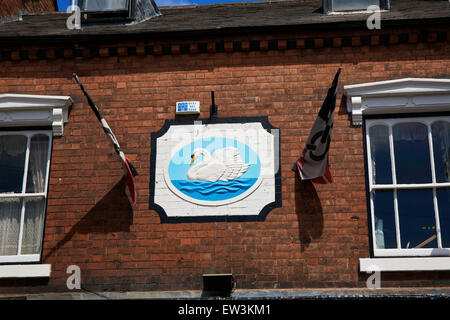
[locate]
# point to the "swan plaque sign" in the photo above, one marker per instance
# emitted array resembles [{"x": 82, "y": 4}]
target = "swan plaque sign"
[{"x": 215, "y": 170}]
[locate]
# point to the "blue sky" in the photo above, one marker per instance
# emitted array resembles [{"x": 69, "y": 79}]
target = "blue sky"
[{"x": 63, "y": 4}]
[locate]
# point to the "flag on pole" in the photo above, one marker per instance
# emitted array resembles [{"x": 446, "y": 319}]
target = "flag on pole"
[
  {"x": 130, "y": 171},
  {"x": 313, "y": 163}
]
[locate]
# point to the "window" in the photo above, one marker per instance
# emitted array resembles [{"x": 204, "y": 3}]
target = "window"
[
  {"x": 353, "y": 5},
  {"x": 104, "y": 5},
  {"x": 24, "y": 167},
  {"x": 406, "y": 133},
  {"x": 409, "y": 185},
  {"x": 28, "y": 124},
  {"x": 108, "y": 11}
]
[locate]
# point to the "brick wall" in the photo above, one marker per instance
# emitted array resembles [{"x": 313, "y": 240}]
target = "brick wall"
[
  {"x": 12, "y": 7},
  {"x": 313, "y": 241}
]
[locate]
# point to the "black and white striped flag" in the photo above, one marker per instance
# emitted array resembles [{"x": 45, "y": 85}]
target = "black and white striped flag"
[
  {"x": 313, "y": 164},
  {"x": 130, "y": 171}
]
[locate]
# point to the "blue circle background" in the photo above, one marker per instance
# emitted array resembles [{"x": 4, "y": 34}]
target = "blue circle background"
[{"x": 213, "y": 191}]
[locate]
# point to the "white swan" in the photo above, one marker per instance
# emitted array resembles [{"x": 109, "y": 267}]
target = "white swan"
[{"x": 224, "y": 164}]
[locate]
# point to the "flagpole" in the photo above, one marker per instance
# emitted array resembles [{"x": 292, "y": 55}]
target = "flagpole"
[{"x": 129, "y": 168}]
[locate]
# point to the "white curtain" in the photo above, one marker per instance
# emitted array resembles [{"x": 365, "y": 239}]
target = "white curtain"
[
  {"x": 9, "y": 225},
  {"x": 33, "y": 226},
  {"x": 10, "y": 208},
  {"x": 34, "y": 208},
  {"x": 37, "y": 167}
]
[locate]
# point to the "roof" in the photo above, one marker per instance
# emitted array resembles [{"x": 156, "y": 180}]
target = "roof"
[{"x": 226, "y": 18}]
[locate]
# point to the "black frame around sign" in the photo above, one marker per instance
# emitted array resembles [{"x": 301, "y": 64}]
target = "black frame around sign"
[{"x": 235, "y": 218}]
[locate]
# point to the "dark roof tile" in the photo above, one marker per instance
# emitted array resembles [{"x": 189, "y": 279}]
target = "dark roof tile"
[{"x": 223, "y": 18}]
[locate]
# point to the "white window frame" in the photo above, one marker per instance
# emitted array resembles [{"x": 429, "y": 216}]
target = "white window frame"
[
  {"x": 401, "y": 252},
  {"x": 401, "y": 96},
  {"x": 23, "y": 195}
]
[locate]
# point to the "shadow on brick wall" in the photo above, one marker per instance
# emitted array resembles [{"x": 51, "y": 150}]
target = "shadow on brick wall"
[
  {"x": 309, "y": 212},
  {"x": 341, "y": 107},
  {"x": 23, "y": 282},
  {"x": 113, "y": 213}
]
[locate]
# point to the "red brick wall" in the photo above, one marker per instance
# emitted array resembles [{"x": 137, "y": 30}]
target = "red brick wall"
[
  {"x": 12, "y": 7},
  {"x": 313, "y": 241}
]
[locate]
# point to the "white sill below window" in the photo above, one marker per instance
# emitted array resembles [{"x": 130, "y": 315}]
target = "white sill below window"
[
  {"x": 25, "y": 271},
  {"x": 20, "y": 258},
  {"x": 404, "y": 264}
]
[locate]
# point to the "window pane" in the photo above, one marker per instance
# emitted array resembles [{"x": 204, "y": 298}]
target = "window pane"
[
  {"x": 380, "y": 155},
  {"x": 12, "y": 160},
  {"x": 9, "y": 226},
  {"x": 102, "y": 5},
  {"x": 443, "y": 198},
  {"x": 33, "y": 226},
  {"x": 441, "y": 148},
  {"x": 37, "y": 167},
  {"x": 385, "y": 237},
  {"x": 417, "y": 218},
  {"x": 412, "y": 153},
  {"x": 345, "y": 5}
]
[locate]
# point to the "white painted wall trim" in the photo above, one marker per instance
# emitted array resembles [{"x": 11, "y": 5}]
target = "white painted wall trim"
[
  {"x": 21, "y": 110},
  {"x": 404, "y": 264},
  {"x": 409, "y": 95},
  {"x": 25, "y": 271}
]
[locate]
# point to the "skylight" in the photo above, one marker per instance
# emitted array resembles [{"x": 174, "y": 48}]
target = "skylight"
[
  {"x": 104, "y": 5},
  {"x": 110, "y": 11},
  {"x": 353, "y": 5}
]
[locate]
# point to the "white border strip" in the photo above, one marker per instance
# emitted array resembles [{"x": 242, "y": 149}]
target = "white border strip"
[
  {"x": 25, "y": 271},
  {"x": 404, "y": 264}
]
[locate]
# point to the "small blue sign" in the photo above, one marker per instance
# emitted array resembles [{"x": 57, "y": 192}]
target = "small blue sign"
[{"x": 187, "y": 107}]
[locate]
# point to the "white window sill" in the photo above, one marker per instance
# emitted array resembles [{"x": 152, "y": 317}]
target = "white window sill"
[
  {"x": 404, "y": 264},
  {"x": 25, "y": 271},
  {"x": 18, "y": 259}
]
